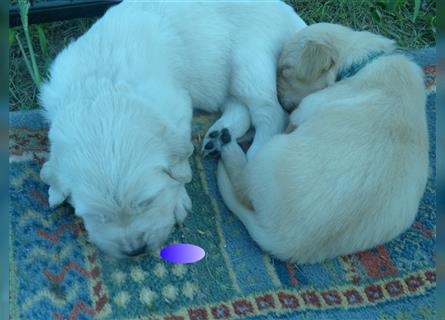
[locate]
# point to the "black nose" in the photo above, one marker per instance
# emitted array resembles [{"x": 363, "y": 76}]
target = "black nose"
[{"x": 137, "y": 252}]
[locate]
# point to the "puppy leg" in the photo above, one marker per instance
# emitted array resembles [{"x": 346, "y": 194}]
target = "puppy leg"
[
  {"x": 183, "y": 206},
  {"x": 235, "y": 119},
  {"x": 254, "y": 83},
  {"x": 231, "y": 173},
  {"x": 55, "y": 195},
  {"x": 234, "y": 161},
  {"x": 268, "y": 120}
]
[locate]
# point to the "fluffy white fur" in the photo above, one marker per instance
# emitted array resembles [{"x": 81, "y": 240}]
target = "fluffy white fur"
[
  {"x": 120, "y": 101},
  {"x": 352, "y": 173}
]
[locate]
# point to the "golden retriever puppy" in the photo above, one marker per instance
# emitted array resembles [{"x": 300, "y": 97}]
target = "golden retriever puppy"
[{"x": 352, "y": 173}]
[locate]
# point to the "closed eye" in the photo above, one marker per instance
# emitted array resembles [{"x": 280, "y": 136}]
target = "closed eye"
[{"x": 148, "y": 201}]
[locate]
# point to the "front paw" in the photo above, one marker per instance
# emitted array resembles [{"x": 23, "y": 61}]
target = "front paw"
[
  {"x": 183, "y": 206},
  {"x": 296, "y": 118},
  {"x": 55, "y": 197},
  {"x": 290, "y": 128},
  {"x": 214, "y": 140}
]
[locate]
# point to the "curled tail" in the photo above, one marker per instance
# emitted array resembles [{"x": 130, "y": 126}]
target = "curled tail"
[{"x": 230, "y": 198}]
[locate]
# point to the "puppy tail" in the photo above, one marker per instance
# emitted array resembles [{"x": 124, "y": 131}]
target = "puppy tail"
[{"x": 230, "y": 198}]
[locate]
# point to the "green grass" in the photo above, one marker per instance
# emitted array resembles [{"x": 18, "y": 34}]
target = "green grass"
[
  {"x": 410, "y": 22},
  {"x": 391, "y": 18},
  {"x": 48, "y": 40}
]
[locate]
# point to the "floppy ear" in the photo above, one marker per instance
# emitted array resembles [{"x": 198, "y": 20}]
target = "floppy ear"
[
  {"x": 317, "y": 56},
  {"x": 179, "y": 167},
  {"x": 180, "y": 172},
  {"x": 55, "y": 195}
]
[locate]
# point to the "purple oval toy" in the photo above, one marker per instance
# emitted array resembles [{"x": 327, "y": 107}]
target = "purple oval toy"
[{"x": 182, "y": 253}]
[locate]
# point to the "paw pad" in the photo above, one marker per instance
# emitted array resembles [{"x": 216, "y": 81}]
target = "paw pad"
[
  {"x": 213, "y": 134},
  {"x": 225, "y": 136},
  {"x": 209, "y": 145},
  {"x": 214, "y": 140}
]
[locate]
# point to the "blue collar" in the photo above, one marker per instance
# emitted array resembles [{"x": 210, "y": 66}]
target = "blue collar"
[{"x": 357, "y": 66}]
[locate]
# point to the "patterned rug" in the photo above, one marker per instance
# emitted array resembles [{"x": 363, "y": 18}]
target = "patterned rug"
[{"x": 56, "y": 274}]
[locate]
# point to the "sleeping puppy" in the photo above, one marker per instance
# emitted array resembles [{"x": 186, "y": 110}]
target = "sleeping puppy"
[
  {"x": 119, "y": 102},
  {"x": 352, "y": 173}
]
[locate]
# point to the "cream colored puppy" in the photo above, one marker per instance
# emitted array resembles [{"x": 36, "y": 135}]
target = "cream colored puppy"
[{"x": 351, "y": 176}]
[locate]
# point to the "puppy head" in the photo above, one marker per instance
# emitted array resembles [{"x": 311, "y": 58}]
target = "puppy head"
[
  {"x": 311, "y": 60},
  {"x": 130, "y": 218},
  {"x": 122, "y": 166},
  {"x": 306, "y": 64}
]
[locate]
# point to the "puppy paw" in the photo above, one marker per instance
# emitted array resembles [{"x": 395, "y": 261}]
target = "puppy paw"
[
  {"x": 46, "y": 173},
  {"x": 214, "y": 140},
  {"x": 183, "y": 206},
  {"x": 55, "y": 197}
]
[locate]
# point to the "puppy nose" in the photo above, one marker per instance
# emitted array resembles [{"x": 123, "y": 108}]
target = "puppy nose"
[{"x": 137, "y": 251}]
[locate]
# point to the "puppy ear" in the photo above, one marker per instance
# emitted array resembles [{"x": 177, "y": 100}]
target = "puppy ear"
[
  {"x": 180, "y": 172},
  {"x": 55, "y": 195},
  {"x": 317, "y": 57},
  {"x": 179, "y": 168}
]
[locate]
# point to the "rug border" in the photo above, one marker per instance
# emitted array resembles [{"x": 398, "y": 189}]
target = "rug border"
[{"x": 184, "y": 312}]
